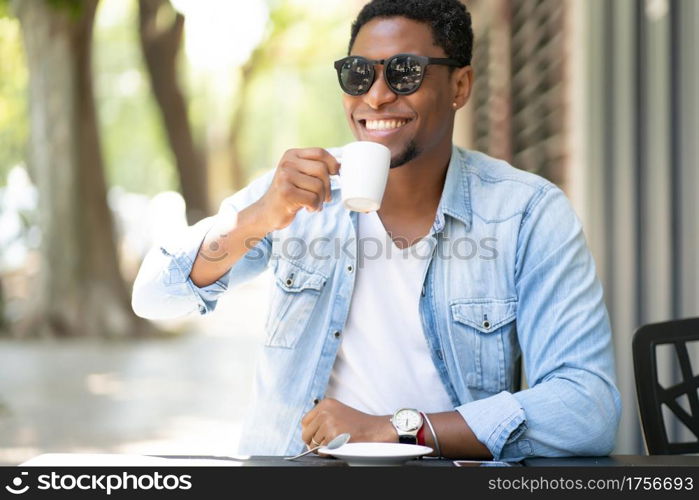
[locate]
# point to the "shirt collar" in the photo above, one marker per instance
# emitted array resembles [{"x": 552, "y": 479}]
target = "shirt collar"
[{"x": 456, "y": 200}]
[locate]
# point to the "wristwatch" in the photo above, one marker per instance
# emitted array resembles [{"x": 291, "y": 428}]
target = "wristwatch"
[{"x": 407, "y": 422}]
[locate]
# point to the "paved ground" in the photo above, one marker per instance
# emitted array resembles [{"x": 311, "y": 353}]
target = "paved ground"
[{"x": 185, "y": 395}]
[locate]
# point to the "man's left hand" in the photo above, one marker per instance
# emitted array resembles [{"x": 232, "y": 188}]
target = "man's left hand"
[{"x": 330, "y": 418}]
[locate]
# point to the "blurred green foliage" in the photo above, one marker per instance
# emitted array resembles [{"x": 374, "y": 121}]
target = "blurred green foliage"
[
  {"x": 292, "y": 98},
  {"x": 295, "y": 100},
  {"x": 73, "y": 7},
  {"x": 135, "y": 148},
  {"x": 13, "y": 98}
]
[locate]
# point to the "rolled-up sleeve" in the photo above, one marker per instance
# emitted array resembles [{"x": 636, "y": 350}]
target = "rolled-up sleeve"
[
  {"x": 572, "y": 406},
  {"x": 163, "y": 288},
  {"x": 495, "y": 420}
]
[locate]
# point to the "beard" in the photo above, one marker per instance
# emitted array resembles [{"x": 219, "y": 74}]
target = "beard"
[{"x": 407, "y": 155}]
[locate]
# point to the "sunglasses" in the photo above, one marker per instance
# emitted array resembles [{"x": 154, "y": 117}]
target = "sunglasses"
[{"x": 403, "y": 72}]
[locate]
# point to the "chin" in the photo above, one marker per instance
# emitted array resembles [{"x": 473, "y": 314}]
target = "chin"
[{"x": 408, "y": 154}]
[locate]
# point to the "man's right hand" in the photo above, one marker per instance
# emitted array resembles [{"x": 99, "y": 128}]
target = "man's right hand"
[{"x": 302, "y": 179}]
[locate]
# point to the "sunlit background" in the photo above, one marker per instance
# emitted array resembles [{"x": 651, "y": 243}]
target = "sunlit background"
[{"x": 600, "y": 96}]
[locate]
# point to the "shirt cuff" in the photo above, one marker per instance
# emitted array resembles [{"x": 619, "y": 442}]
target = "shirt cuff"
[
  {"x": 183, "y": 252},
  {"x": 496, "y": 421}
]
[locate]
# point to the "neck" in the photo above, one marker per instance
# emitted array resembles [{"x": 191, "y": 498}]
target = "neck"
[{"x": 414, "y": 189}]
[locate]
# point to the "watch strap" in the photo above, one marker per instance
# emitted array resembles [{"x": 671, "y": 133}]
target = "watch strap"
[
  {"x": 407, "y": 439},
  {"x": 421, "y": 433}
]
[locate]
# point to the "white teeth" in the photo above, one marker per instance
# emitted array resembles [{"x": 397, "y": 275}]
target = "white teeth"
[{"x": 384, "y": 124}]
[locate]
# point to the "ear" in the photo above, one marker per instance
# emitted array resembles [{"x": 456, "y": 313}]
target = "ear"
[{"x": 461, "y": 83}]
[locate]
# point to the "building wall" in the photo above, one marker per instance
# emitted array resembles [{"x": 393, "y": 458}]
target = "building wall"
[
  {"x": 641, "y": 185},
  {"x": 620, "y": 137}
]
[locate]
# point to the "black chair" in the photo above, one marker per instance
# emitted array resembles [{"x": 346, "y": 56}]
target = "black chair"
[{"x": 651, "y": 395}]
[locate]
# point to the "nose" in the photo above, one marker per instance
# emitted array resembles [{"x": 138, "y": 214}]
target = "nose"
[{"x": 379, "y": 93}]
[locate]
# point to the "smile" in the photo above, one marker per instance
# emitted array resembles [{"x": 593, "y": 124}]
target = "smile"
[
  {"x": 380, "y": 128},
  {"x": 384, "y": 124}
]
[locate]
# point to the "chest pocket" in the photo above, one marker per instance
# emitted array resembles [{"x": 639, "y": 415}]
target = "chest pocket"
[
  {"x": 294, "y": 296},
  {"x": 485, "y": 341}
]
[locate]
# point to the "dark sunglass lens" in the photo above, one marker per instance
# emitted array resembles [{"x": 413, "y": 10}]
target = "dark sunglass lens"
[
  {"x": 356, "y": 76},
  {"x": 404, "y": 74}
]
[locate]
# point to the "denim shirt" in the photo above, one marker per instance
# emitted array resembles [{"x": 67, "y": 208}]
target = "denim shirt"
[{"x": 510, "y": 274}]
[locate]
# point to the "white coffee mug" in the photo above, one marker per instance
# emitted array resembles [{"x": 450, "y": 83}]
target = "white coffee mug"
[{"x": 364, "y": 170}]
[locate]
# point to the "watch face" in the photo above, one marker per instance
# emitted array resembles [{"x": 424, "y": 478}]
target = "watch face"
[{"x": 407, "y": 420}]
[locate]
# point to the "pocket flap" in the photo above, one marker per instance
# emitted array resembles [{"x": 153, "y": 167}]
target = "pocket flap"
[
  {"x": 293, "y": 278},
  {"x": 485, "y": 315}
]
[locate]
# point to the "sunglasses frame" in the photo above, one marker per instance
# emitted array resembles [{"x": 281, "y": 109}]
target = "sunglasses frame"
[{"x": 424, "y": 61}]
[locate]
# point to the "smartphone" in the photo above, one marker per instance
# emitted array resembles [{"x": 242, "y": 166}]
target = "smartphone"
[{"x": 481, "y": 463}]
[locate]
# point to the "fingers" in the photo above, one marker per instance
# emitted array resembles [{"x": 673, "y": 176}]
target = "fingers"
[
  {"x": 308, "y": 417},
  {"x": 302, "y": 179},
  {"x": 317, "y": 170},
  {"x": 300, "y": 190},
  {"x": 303, "y": 198},
  {"x": 317, "y": 440},
  {"x": 311, "y": 184},
  {"x": 309, "y": 431},
  {"x": 309, "y": 170},
  {"x": 322, "y": 155},
  {"x": 323, "y": 423},
  {"x": 321, "y": 437}
]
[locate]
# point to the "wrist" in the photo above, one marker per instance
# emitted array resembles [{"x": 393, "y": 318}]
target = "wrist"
[
  {"x": 254, "y": 220},
  {"x": 385, "y": 432}
]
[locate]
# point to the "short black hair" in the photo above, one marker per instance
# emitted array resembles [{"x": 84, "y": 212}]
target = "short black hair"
[{"x": 449, "y": 19}]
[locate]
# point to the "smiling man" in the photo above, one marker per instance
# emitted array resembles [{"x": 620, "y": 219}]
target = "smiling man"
[{"x": 417, "y": 340}]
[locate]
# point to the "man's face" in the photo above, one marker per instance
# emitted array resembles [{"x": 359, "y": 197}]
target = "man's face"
[{"x": 409, "y": 125}]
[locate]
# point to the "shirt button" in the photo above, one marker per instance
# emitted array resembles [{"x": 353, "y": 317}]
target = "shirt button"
[
  {"x": 486, "y": 324},
  {"x": 316, "y": 401},
  {"x": 350, "y": 268},
  {"x": 337, "y": 335}
]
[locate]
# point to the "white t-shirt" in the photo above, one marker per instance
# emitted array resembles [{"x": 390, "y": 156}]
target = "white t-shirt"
[{"x": 384, "y": 362}]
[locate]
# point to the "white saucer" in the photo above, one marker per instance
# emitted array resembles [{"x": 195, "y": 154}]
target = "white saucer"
[{"x": 377, "y": 453}]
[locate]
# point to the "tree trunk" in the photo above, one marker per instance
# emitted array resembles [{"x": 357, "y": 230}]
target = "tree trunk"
[
  {"x": 2, "y": 309},
  {"x": 80, "y": 290},
  {"x": 237, "y": 125},
  {"x": 161, "y": 43}
]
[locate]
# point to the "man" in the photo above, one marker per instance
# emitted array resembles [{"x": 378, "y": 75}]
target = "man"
[{"x": 483, "y": 262}]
